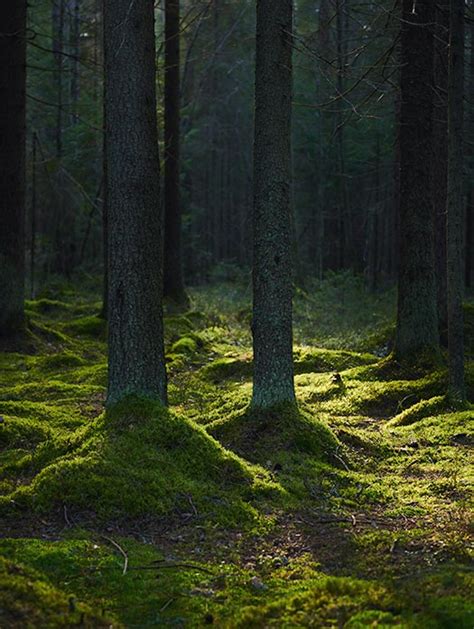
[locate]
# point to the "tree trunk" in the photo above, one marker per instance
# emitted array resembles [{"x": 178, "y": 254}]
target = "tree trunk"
[
  {"x": 455, "y": 206},
  {"x": 470, "y": 197},
  {"x": 12, "y": 164},
  {"x": 417, "y": 321},
  {"x": 75, "y": 51},
  {"x": 173, "y": 286},
  {"x": 440, "y": 164},
  {"x": 136, "y": 353},
  {"x": 272, "y": 271}
]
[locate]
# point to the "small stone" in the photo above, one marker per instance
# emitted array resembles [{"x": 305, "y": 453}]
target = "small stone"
[{"x": 257, "y": 584}]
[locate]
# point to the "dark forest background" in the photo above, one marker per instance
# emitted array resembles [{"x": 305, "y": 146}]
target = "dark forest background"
[{"x": 345, "y": 141}]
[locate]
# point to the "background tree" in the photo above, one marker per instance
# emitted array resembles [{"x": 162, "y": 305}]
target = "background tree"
[
  {"x": 136, "y": 353},
  {"x": 417, "y": 322},
  {"x": 272, "y": 257},
  {"x": 173, "y": 284},
  {"x": 455, "y": 199},
  {"x": 12, "y": 164}
]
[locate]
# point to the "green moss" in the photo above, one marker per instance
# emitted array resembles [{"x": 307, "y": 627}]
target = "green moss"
[
  {"x": 185, "y": 345},
  {"x": 258, "y": 434},
  {"x": 48, "y": 306},
  {"x": 227, "y": 367},
  {"x": 140, "y": 460},
  {"x": 373, "y": 442},
  {"x": 425, "y": 408},
  {"x": 60, "y": 361},
  {"x": 90, "y": 326},
  {"x": 28, "y": 600},
  {"x": 311, "y": 359}
]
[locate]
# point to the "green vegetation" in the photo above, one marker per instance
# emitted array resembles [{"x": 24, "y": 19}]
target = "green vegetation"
[{"x": 351, "y": 512}]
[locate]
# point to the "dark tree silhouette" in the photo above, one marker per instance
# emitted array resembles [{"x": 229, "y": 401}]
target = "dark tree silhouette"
[
  {"x": 173, "y": 286},
  {"x": 417, "y": 321},
  {"x": 455, "y": 205},
  {"x": 12, "y": 164}
]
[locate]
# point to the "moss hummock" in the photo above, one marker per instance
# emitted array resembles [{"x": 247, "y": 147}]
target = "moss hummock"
[
  {"x": 139, "y": 460},
  {"x": 259, "y": 434}
]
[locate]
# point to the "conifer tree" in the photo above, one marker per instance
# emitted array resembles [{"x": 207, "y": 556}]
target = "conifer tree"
[
  {"x": 136, "y": 354},
  {"x": 272, "y": 255},
  {"x": 12, "y": 164},
  {"x": 417, "y": 320}
]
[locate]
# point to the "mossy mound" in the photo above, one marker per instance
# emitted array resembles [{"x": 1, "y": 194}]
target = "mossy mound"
[
  {"x": 315, "y": 359},
  {"x": 258, "y": 434},
  {"x": 28, "y": 601},
  {"x": 139, "y": 460},
  {"x": 89, "y": 326},
  {"x": 228, "y": 367},
  {"x": 355, "y": 603},
  {"x": 425, "y": 408}
]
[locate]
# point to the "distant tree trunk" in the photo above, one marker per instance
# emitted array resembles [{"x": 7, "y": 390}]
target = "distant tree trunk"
[
  {"x": 272, "y": 272},
  {"x": 455, "y": 206},
  {"x": 417, "y": 321},
  {"x": 75, "y": 51},
  {"x": 12, "y": 165},
  {"x": 440, "y": 163},
  {"x": 470, "y": 196},
  {"x": 344, "y": 228},
  {"x": 173, "y": 287},
  {"x": 105, "y": 228},
  {"x": 58, "y": 49},
  {"x": 136, "y": 353},
  {"x": 33, "y": 216}
]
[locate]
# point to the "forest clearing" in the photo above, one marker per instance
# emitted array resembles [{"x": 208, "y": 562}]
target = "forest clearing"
[{"x": 236, "y": 313}]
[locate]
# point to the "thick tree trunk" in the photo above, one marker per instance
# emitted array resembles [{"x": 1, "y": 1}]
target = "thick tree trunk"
[
  {"x": 417, "y": 321},
  {"x": 455, "y": 206},
  {"x": 136, "y": 353},
  {"x": 173, "y": 287},
  {"x": 12, "y": 164},
  {"x": 272, "y": 271}
]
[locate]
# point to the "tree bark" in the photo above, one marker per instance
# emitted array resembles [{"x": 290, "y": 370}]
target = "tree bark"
[
  {"x": 455, "y": 206},
  {"x": 440, "y": 163},
  {"x": 470, "y": 154},
  {"x": 12, "y": 165},
  {"x": 136, "y": 352},
  {"x": 173, "y": 287},
  {"x": 272, "y": 271},
  {"x": 417, "y": 321}
]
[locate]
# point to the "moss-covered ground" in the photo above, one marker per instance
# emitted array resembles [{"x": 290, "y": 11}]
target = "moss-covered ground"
[{"x": 353, "y": 512}]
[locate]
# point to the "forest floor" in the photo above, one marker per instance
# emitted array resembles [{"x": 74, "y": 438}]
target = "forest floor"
[{"x": 353, "y": 513}]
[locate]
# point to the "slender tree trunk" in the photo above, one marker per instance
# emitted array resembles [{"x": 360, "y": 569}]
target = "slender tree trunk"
[
  {"x": 417, "y": 321},
  {"x": 58, "y": 49},
  {"x": 272, "y": 271},
  {"x": 455, "y": 206},
  {"x": 12, "y": 165},
  {"x": 136, "y": 353},
  {"x": 33, "y": 216},
  {"x": 173, "y": 286},
  {"x": 470, "y": 196},
  {"x": 440, "y": 163},
  {"x": 75, "y": 51}
]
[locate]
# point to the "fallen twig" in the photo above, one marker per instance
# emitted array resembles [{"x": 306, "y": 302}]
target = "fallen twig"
[{"x": 121, "y": 551}]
